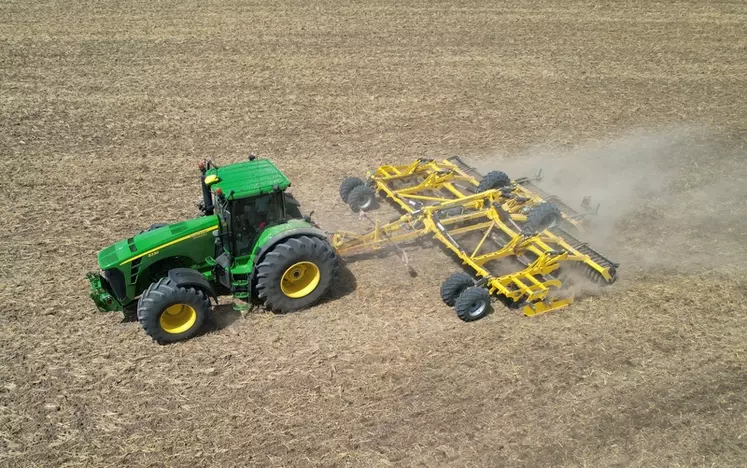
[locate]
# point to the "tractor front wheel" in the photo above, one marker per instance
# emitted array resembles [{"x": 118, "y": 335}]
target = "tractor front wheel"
[
  {"x": 296, "y": 273},
  {"x": 170, "y": 313}
]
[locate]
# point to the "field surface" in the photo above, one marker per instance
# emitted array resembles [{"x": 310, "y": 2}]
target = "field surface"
[{"x": 106, "y": 107}]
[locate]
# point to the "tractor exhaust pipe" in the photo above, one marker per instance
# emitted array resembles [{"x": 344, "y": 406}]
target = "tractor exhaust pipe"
[{"x": 206, "y": 196}]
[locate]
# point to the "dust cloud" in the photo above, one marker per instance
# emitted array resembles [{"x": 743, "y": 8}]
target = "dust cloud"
[{"x": 673, "y": 199}]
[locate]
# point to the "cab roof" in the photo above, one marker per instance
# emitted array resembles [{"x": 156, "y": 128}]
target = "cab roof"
[{"x": 247, "y": 178}]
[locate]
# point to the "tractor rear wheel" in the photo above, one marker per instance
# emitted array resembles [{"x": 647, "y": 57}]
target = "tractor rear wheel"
[
  {"x": 473, "y": 304},
  {"x": 296, "y": 273},
  {"x": 453, "y": 286},
  {"x": 494, "y": 180},
  {"x": 348, "y": 184},
  {"x": 170, "y": 313}
]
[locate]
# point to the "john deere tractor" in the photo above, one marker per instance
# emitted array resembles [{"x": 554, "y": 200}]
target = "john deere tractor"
[{"x": 250, "y": 242}]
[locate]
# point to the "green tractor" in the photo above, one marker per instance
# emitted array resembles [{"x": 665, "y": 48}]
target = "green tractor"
[{"x": 251, "y": 242}]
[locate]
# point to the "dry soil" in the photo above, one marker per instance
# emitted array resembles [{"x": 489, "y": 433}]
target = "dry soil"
[{"x": 106, "y": 107}]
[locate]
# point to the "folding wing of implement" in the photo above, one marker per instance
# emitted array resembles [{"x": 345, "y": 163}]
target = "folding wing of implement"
[{"x": 518, "y": 244}]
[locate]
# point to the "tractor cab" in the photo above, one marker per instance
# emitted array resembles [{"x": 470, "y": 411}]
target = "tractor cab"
[
  {"x": 252, "y": 215},
  {"x": 241, "y": 220},
  {"x": 247, "y": 198}
]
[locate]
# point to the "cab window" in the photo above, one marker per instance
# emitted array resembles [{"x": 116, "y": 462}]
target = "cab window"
[{"x": 252, "y": 215}]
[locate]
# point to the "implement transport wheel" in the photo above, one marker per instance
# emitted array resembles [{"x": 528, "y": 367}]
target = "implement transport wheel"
[
  {"x": 472, "y": 304},
  {"x": 453, "y": 286},
  {"x": 541, "y": 217},
  {"x": 348, "y": 184},
  {"x": 361, "y": 198},
  {"x": 296, "y": 273},
  {"x": 494, "y": 180},
  {"x": 170, "y": 313}
]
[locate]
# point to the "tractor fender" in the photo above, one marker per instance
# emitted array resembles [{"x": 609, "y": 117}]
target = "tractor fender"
[
  {"x": 282, "y": 236},
  {"x": 189, "y": 278}
]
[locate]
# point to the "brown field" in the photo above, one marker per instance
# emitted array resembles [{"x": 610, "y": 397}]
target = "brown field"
[{"x": 106, "y": 108}]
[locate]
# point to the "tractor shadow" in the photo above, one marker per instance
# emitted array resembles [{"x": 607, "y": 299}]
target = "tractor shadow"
[
  {"x": 220, "y": 316},
  {"x": 346, "y": 284},
  {"x": 223, "y": 315}
]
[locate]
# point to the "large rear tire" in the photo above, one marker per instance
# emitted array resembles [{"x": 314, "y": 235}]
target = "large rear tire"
[
  {"x": 170, "y": 313},
  {"x": 296, "y": 273}
]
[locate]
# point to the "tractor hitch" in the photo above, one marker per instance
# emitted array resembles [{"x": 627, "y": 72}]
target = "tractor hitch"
[{"x": 105, "y": 302}]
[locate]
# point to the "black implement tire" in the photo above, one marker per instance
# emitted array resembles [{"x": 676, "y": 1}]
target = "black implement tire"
[
  {"x": 348, "y": 184},
  {"x": 453, "y": 286},
  {"x": 170, "y": 313},
  {"x": 473, "y": 304},
  {"x": 494, "y": 180},
  {"x": 541, "y": 217},
  {"x": 361, "y": 198},
  {"x": 295, "y": 273}
]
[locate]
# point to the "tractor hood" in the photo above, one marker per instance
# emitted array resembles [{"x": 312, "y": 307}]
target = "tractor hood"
[{"x": 154, "y": 239}]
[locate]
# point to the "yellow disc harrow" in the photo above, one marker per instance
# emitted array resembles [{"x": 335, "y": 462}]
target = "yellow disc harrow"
[{"x": 511, "y": 223}]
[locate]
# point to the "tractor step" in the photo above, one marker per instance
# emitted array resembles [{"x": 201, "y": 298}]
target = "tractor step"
[
  {"x": 240, "y": 287},
  {"x": 240, "y": 290}
]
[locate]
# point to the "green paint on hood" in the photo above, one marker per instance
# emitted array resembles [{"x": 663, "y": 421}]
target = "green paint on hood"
[{"x": 142, "y": 244}]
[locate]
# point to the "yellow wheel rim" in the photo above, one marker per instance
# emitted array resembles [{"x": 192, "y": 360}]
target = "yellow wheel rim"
[
  {"x": 300, "y": 279},
  {"x": 178, "y": 318}
]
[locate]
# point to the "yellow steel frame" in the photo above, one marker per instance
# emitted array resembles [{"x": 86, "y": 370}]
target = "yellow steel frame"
[
  {"x": 435, "y": 176},
  {"x": 530, "y": 288}
]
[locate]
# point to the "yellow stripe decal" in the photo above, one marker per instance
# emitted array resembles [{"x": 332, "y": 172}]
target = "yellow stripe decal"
[{"x": 190, "y": 236}]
